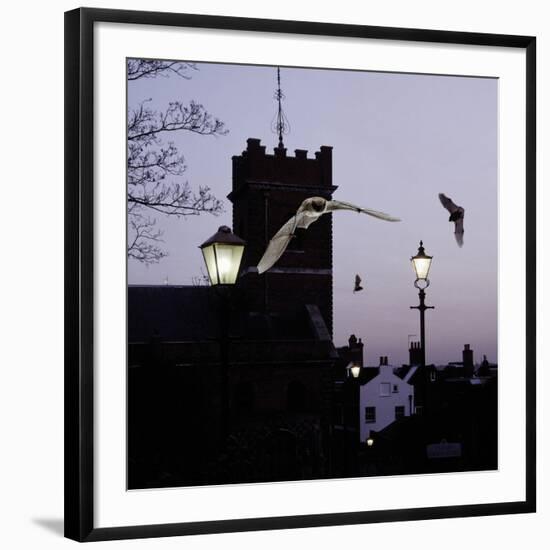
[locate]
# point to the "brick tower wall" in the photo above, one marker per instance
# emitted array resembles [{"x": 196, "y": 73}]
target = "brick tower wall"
[{"x": 267, "y": 191}]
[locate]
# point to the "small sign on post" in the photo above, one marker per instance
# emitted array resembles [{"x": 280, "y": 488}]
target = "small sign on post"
[{"x": 444, "y": 450}]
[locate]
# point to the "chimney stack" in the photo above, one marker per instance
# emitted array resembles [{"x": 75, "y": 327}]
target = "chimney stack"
[
  {"x": 356, "y": 346},
  {"x": 415, "y": 354},
  {"x": 468, "y": 360}
]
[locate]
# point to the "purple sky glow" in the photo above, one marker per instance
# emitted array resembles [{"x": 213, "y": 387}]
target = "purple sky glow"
[{"x": 398, "y": 140}]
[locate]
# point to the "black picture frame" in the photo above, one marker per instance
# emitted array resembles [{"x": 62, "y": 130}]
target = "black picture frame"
[{"x": 79, "y": 273}]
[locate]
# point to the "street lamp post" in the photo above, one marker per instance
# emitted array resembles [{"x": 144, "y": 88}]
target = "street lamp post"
[
  {"x": 222, "y": 255},
  {"x": 371, "y": 454},
  {"x": 351, "y": 396},
  {"x": 421, "y": 264}
]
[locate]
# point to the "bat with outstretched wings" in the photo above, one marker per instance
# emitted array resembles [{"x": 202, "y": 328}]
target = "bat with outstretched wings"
[
  {"x": 456, "y": 216},
  {"x": 309, "y": 211},
  {"x": 357, "y": 286}
]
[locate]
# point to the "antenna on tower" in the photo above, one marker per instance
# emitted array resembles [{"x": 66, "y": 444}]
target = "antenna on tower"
[{"x": 280, "y": 124}]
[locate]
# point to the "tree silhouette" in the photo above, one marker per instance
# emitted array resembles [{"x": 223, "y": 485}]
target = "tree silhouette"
[{"x": 155, "y": 165}]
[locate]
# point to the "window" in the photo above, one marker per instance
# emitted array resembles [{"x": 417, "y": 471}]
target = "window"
[
  {"x": 395, "y": 388},
  {"x": 385, "y": 388},
  {"x": 418, "y": 410},
  {"x": 370, "y": 414},
  {"x": 399, "y": 412}
]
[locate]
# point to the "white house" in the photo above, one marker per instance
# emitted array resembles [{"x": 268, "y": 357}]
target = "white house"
[{"x": 383, "y": 399}]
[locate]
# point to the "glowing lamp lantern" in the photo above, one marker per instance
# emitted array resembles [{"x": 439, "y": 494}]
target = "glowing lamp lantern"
[
  {"x": 355, "y": 370},
  {"x": 421, "y": 264},
  {"x": 370, "y": 441},
  {"x": 222, "y": 254}
]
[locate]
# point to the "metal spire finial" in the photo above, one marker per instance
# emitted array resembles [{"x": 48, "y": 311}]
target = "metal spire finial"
[{"x": 280, "y": 123}]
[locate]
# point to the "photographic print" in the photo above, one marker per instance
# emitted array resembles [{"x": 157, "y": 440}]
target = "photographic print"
[{"x": 312, "y": 273}]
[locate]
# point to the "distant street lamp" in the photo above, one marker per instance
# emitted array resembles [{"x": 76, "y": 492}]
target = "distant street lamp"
[
  {"x": 370, "y": 441},
  {"x": 421, "y": 264},
  {"x": 222, "y": 254},
  {"x": 355, "y": 370}
]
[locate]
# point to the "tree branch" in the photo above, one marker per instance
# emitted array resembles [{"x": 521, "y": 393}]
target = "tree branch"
[
  {"x": 154, "y": 167},
  {"x": 150, "y": 68}
]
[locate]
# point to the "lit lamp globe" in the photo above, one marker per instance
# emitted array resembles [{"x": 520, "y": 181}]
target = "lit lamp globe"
[
  {"x": 355, "y": 370},
  {"x": 421, "y": 265},
  {"x": 222, "y": 254},
  {"x": 370, "y": 441}
]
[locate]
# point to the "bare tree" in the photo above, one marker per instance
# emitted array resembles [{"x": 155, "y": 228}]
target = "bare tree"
[
  {"x": 155, "y": 165},
  {"x": 150, "y": 68},
  {"x": 200, "y": 280}
]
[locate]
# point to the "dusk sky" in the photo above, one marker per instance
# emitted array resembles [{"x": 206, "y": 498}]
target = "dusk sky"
[{"x": 398, "y": 140}]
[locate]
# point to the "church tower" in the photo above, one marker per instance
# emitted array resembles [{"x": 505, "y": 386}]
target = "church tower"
[{"x": 267, "y": 190}]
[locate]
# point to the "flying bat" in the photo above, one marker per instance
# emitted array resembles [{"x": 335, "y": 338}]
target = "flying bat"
[
  {"x": 456, "y": 216},
  {"x": 357, "y": 287},
  {"x": 310, "y": 211}
]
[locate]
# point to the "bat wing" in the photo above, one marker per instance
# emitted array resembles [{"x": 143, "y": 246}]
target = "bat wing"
[
  {"x": 340, "y": 205},
  {"x": 278, "y": 244},
  {"x": 304, "y": 220},
  {"x": 448, "y": 203},
  {"x": 459, "y": 232},
  {"x": 357, "y": 287}
]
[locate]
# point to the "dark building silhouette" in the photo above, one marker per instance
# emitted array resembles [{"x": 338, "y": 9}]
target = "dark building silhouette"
[
  {"x": 486, "y": 369},
  {"x": 461, "y": 411},
  {"x": 464, "y": 368},
  {"x": 280, "y": 353},
  {"x": 467, "y": 360},
  {"x": 421, "y": 377}
]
